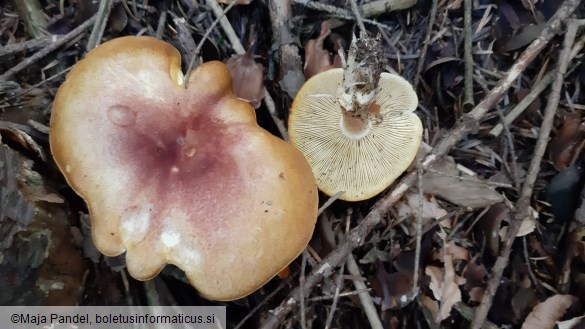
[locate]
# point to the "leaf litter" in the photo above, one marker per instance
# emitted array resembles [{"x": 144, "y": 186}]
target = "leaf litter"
[{"x": 468, "y": 197}]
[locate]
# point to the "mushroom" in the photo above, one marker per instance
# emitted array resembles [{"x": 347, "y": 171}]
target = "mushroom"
[
  {"x": 180, "y": 175},
  {"x": 360, "y": 154}
]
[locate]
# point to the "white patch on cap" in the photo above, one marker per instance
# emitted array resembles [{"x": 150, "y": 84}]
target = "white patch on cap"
[
  {"x": 188, "y": 256},
  {"x": 170, "y": 239},
  {"x": 135, "y": 224}
]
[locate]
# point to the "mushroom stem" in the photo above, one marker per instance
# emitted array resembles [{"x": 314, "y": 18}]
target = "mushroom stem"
[{"x": 361, "y": 74}]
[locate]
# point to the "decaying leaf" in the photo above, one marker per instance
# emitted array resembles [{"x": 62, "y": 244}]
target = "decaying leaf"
[
  {"x": 575, "y": 323},
  {"x": 531, "y": 112},
  {"x": 454, "y": 4},
  {"x": 527, "y": 226},
  {"x": 448, "y": 182},
  {"x": 16, "y": 133},
  {"x": 516, "y": 26},
  {"x": 409, "y": 207},
  {"x": 457, "y": 252},
  {"x": 444, "y": 287},
  {"x": 432, "y": 305},
  {"x": 565, "y": 147},
  {"x": 318, "y": 59},
  {"x": 394, "y": 290},
  {"x": 247, "y": 78},
  {"x": 476, "y": 294},
  {"x": 374, "y": 255},
  {"x": 546, "y": 314},
  {"x": 38, "y": 260},
  {"x": 474, "y": 275},
  {"x": 489, "y": 230}
]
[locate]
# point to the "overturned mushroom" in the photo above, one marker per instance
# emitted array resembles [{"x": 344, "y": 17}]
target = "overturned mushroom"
[
  {"x": 181, "y": 176},
  {"x": 356, "y": 141}
]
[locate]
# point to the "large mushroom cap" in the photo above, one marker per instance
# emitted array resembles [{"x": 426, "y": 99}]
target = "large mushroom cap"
[
  {"x": 181, "y": 176},
  {"x": 363, "y": 165}
]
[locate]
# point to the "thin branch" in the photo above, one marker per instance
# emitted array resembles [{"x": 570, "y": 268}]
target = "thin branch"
[
  {"x": 162, "y": 21},
  {"x": 302, "y": 296},
  {"x": 28, "y": 45},
  {"x": 338, "y": 284},
  {"x": 468, "y": 102},
  {"x": 204, "y": 38},
  {"x": 342, "y": 294},
  {"x": 523, "y": 204},
  {"x": 425, "y": 45},
  {"x": 338, "y": 12},
  {"x": 100, "y": 24},
  {"x": 35, "y": 86},
  {"x": 329, "y": 202},
  {"x": 535, "y": 91},
  {"x": 419, "y": 233},
  {"x": 466, "y": 125},
  {"x": 48, "y": 49},
  {"x": 365, "y": 298},
  {"x": 358, "y": 16}
]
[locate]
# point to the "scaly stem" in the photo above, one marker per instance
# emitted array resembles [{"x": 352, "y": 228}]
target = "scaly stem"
[{"x": 361, "y": 74}]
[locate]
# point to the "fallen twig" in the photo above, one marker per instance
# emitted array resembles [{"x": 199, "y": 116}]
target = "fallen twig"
[
  {"x": 100, "y": 24},
  {"x": 425, "y": 45},
  {"x": 418, "y": 224},
  {"x": 358, "y": 16},
  {"x": 162, "y": 21},
  {"x": 204, "y": 38},
  {"x": 523, "y": 204},
  {"x": 338, "y": 12},
  {"x": 48, "y": 49},
  {"x": 468, "y": 102},
  {"x": 365, "y": 298},
  {"x": 289, "y": 59},
  {"x": 30, "y": 45},
  {"x": 465, "y": 125},
  {"x": 535, "y": 91}
]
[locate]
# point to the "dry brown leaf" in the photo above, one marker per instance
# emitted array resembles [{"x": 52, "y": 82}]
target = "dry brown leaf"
[
  {"x": 247, "y": 78},
  {"x": 547, "y": 313},
  {"x": 458, "y": 252},
  {"x": 454, "y": 4},
  {"x": 393, "y": 289},
  {"x": 448, "y": 182},
  {"x": 318, "y": 59},
  {"x": 476, "y": 294},
  {"x": 574, "y": 323},
  {"x": 444, "y": 287},
  {"x": 16, "y": 133},
  {"x": 408, "y": 209},
  {"x": 432, "y": 305},
  {"x": 565, "y": 146},
  {"x": 527, "y": 226}
]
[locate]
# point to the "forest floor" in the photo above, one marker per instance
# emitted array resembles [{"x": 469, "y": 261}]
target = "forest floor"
[{"x": 486, "y": 229}]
